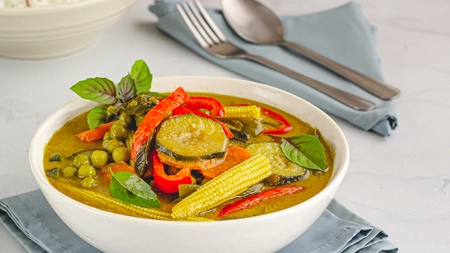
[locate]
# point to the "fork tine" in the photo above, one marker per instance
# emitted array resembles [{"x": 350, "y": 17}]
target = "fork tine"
[
  {"x": 211, "y": 23},
  {"x": 202, "y": 22},
  {"x": 191, "y": 27},
  {"x": 197, "y": 25}
]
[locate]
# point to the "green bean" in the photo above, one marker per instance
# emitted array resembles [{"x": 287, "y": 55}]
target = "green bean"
[
  {"x": 114, "y": 144},
  {"x": 69, "y": 171},
  {"x": 88, "y": 182},
  {"x": 121, "y": 154},
  {"x": 125, "y": 117},
  {"x": 106, "y": 139},
  {"x": 86, "y": 171},
  {"x": 80, "y": 160},
  {"x": 119, "y": 130},
  {"x": 99, "y": 158}
]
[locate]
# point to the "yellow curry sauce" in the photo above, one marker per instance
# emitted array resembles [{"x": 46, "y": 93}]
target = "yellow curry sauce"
[{"x": 65, "y": 142}]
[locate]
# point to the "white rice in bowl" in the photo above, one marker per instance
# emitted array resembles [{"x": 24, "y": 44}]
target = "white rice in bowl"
[{"x": 32, "y": 3}]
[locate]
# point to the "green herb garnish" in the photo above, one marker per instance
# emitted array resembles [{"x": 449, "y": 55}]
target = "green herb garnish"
[
  {"x": 53, "y": 173},
  {"x": 98, "y": 89},
  {"x": 141, "y": 75},
  {"x": 305, "y": 150},
  {"x": 104, "y": 91},
  {"x": 96, "y": 117},
  {"x": 56, "y": 157},
  {"x": 126, "y": 89},
  {"x": 132, "y": 189}
]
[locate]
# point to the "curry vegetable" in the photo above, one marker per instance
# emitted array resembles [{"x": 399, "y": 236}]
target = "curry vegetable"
[{"x": 186, "y": 156}]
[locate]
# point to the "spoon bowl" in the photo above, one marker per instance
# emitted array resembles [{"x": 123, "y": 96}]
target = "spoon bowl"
[
  {"x": 256, "y": 23},
  {"x": 253, "y": 21}
]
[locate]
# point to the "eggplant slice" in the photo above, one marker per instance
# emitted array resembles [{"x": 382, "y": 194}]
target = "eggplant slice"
[{"x": 190, "y": 137}]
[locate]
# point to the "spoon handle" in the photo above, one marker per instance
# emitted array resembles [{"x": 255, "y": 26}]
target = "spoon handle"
[
  {"x": 374, "y": 86},
  {"x": 348, "y": 99}
]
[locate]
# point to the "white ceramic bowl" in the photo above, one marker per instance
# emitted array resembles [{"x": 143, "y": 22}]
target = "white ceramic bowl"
[
  {"x": 111, "y": 232},
  {"x": 55, "y": 30}
]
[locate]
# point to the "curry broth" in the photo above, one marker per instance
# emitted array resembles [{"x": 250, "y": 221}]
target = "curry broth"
[{"x": 65, "y": 142}]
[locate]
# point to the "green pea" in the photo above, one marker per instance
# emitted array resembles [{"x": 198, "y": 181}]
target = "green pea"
[
  {"x": 86, "y": 171},
  {"x": 121, "y": 154},
  {"x": 114, "y": 144},
  {"x": 119, "y": 130},
  {"x": 110, "y": 110},
  {"x": 105, "y": 144},
  {"x": 125, "y": 118},
  {"x": 69, "y": 171},
  {"x": 138, "y": 119},
  {"x": 107, "y": 136},
  {"x": 80, "y": 160},
  {"x": 106, "y": 139},
  {"x": 99, "y": 158},
  {"x": 120, "y": 122},
  {"x": 89, "y": 182}
]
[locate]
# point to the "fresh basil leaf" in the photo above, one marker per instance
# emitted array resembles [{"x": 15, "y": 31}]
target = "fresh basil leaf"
[
  {"x": 98, "y": 89},
  {"x": 142, "y": 77},
  {"x": 305, "y": 150},
  {"x": 56, "y": 157},
  {"x": 53, "y": 173},
  {"x": 126, "y": 89},
  {"x": 132, "y": 189},
  {"x": 96, "y": 117}
]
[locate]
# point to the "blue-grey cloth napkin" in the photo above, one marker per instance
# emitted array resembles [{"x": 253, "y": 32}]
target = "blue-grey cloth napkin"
[
  {"x": 341, "y": 34},
  {"x": 31, "y": 220}
]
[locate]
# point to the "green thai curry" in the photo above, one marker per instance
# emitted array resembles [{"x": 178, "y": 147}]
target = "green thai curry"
[
  {"x": 180, "y": 157},
  {"x": 203, "y": 152}
]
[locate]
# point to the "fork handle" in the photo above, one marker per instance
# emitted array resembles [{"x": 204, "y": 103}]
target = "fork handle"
[
  {"x": 341, "y": 96},
  {"x": 374, "y": 86}
]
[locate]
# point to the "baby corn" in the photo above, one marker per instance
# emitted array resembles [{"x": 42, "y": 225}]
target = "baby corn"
[
  {"x": 130, "y": 209},
  {"x": 224, "y": 187},
  {"x": 237, "y": 112}
]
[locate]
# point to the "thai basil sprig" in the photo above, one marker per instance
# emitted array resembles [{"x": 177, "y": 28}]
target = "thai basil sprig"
[{"x": 104, "y": 91}]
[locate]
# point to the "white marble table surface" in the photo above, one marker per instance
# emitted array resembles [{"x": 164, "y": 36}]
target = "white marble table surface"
[{"x": 399, "y": 183}]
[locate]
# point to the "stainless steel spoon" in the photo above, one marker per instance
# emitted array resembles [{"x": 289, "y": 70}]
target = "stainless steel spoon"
[{"x": 256, "y": 23}]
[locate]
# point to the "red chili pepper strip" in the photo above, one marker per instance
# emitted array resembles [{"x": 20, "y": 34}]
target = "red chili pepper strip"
[
  {"x": 168, "y": 183},
  {"x": 285, "y": 125},
  {"x": 208, "y": 103},
  {"x": 154, "y": 117},
  {"x": 258, "y": 198},
  {"x": 180, "y": 110}
]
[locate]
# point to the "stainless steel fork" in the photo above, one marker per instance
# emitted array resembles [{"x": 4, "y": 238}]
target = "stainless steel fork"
[{"x": 214, "y": 41}]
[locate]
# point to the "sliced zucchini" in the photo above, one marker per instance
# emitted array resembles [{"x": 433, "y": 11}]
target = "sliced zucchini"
[
  {"x": 191, "y": 137},
  {"x": 283, "y": 170}
]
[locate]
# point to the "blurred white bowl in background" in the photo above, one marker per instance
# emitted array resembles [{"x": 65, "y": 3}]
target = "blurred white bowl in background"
[{"x": 58, "y": 29}]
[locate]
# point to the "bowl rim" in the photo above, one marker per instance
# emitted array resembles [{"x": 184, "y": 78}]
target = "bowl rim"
[
  {"x": 54, "y": 8},
  {"x": 335, "y": 181}
]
